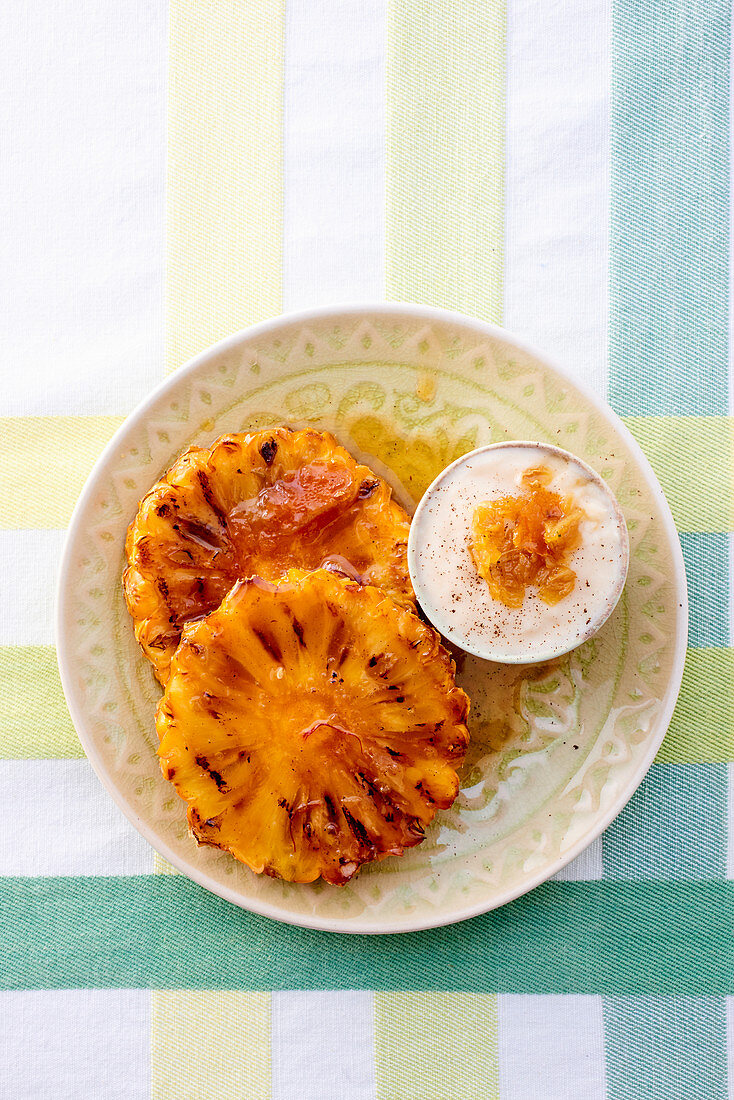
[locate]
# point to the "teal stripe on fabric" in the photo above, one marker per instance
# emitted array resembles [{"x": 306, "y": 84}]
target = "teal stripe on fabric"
[
  {"x": 665, "y": 1048},
  {"x": 571, "y": 937},
  {"x": 673, "y": 827},
  {"x": 669, "y": 242},
  {"x": 707, "y": 571}
]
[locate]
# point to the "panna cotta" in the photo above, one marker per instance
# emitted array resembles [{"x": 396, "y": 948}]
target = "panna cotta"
[{"x": 518, "y": 552}]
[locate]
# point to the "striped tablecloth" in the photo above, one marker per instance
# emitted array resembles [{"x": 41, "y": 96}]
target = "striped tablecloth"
[{"x": 561, "y": 167}]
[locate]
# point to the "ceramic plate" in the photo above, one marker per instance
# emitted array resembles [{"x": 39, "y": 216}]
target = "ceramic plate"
[{"x": 556, "y": 750}]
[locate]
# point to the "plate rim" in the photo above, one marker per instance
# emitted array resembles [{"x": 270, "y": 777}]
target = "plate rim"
[{"x": 64, "y": 605}]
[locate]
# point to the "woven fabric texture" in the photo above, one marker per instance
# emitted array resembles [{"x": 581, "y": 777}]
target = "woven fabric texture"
[{"x": 177, "y": 170}]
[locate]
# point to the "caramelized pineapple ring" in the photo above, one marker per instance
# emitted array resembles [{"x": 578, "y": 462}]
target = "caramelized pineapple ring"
[
  {"x": 524, "y": 540},
  {"x": 311, "y": 726},
  {"x": 256, "y": 505}
]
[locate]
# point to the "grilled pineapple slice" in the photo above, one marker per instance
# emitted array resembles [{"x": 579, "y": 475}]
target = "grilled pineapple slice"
[
  {"x": 256, "y": 505},
  {"x": 311, "y": 726}
]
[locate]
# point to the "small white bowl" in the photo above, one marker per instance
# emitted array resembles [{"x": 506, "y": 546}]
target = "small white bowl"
[{"x": 457, "y": 600}]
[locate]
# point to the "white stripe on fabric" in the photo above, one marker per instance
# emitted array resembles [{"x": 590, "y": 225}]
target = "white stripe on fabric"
[
  {"x": 334, "y": 152},
  {"x": 29, "y": 562},
  {"x": 557, "y": 181},
  {"x": 83, "y": 138},
  {"x": 323, "y": 1045},
  {"x": 551, "y": 1048},
  {"x": 65, "y": 823},
  {"x": 75, "y": 1044},
  {"x": 731, "y": 238},
  {"x": 585, "y": 867}
]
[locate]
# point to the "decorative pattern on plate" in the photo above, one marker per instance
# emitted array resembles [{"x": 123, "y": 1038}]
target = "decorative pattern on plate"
[{"x": 553, "y": 749}]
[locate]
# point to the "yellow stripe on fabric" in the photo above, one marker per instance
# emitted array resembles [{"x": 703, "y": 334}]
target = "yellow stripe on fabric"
[
  {"x": 224, "y": 180},
  {"x": 693, "y": 457},
  {"x": 210, "y": 1045},
  {"x": 445, "y": 154},
  {"x": 161, "y": 866},
  {"x": 702, "y": 727},
  {"x": 44, "y": 462},
  {"x": 34, "y": 720},
  {"x": 432, "y": 1046}
]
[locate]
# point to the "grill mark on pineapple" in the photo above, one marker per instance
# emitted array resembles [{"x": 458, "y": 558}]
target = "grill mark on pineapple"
[
  {"x": 200, "y": 534},
  {"x": 425, "y": 793},
  {"x": 367, "y": 488},
  {"x": 369, "y": 786},
  {"x": 206, "y": 489},
  {"x": 212, "y": 710},
  {"x": 386, "y": 666},
  {"x": 384, "y": 805},
  {"x": 199, "y": 827},
  {"x": 331, "y": 826},
  {"x": 357, "y": 829},
  {"x": 220, "y": 782},
  {"x": 269, "y": 644},
  {"x": 163, "y": 589},
  {"x": 174, "y": 555},
  {"x": 391, "y": 804},
  {"x": 142, "y": 550},
  {"x": 298, "y": 631},
  {"x": 237, "y": 671},
  {"x": 268, "y": 450}
]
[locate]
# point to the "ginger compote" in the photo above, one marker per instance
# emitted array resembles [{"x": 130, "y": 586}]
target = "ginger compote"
[{"x": 518, "y": 552}]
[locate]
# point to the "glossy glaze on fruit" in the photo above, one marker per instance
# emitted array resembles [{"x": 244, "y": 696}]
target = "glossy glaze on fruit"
[
  {"x": 312, "y": 726},
  {"x": 256, "y": 505}
]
